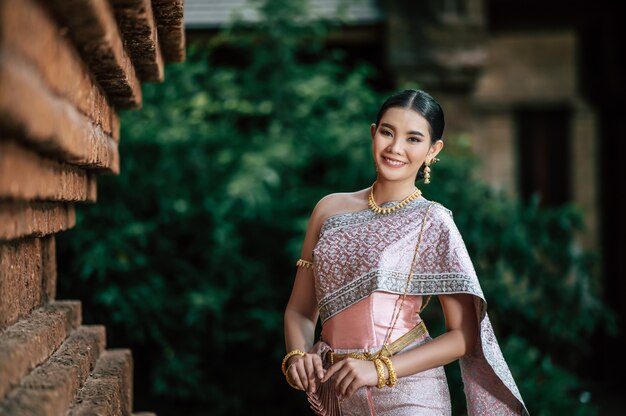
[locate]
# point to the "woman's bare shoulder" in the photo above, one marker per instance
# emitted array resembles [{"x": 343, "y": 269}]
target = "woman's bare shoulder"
[{"x": 340, "y": 202}]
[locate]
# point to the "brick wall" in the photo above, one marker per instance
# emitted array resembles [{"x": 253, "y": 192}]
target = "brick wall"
[{"x": 66, "y": 68}]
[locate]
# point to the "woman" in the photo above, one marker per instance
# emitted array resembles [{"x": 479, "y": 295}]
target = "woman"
[{"x": 369, "y": 263}]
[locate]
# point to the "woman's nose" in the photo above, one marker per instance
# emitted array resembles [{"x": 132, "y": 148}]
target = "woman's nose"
[{"x": 395, "y": 146}]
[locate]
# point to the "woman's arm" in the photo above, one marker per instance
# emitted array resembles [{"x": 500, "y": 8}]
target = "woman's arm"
[
  {"x": 301, "y": 313},
  {"x": 456, "y": 342}
]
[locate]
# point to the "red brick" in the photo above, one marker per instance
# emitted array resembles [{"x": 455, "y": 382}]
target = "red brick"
[
  {"x": 108, "y": 391},
  {"x": 20, "y": 279},
  {"x": 96, "y": 35},
  {"x": 49, "y": 389},
  {"x": 25, "y": 175},
  {"x": 171, "y": 27},
  {"x": 137, "y": 24},
  {"x": 55, "y": 59},
  {"x": 31, "y": 341},
  {"x": 23, "y": 219},
  {"x": 31, "y": 111},
  {"x": 48, "y": 268}
]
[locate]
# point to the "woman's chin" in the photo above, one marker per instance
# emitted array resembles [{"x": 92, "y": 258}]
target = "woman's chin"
[{"x": 393, "y": 176}]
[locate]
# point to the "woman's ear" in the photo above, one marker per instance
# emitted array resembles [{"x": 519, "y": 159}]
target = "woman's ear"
[
  {"x": 373, "y": 130},
  {"x": 436, "y": 147}
]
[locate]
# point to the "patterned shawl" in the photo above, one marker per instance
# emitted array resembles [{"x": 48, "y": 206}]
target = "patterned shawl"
[{"x": 361, "y": 252}]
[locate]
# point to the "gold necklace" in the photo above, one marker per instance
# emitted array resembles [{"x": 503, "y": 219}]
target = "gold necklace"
[{"x": 371, "y": 202}]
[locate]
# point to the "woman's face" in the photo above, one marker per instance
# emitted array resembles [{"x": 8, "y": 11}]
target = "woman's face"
[{"x": 401, "y": 143}]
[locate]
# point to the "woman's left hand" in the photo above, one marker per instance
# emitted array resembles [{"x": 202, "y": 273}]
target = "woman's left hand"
[{"x": 351, "y": 374}]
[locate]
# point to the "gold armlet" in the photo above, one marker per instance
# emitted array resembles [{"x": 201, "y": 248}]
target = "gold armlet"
[
  {"x": 283, "y": 365},
  {"x": 393, "y": 378},
  {"x": 304, "y": 263},
  {"x": 380, "y": 370}
]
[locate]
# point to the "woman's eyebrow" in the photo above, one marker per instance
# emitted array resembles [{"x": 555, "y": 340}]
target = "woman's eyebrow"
[{"x": 412, "y": 132}]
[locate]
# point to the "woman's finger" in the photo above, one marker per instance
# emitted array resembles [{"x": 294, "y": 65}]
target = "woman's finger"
[
  {"x": 319, "y": 368},
  {"x": 345, "y": 383},
  {"x": 303, "y": 376},
  {"x": 292, "y": 373},
  {"x": 340, "y": 375},
  {"x": 310, "y": 372},
  {"x": 332, "y": 370},
  {"x": 354, "y": 386}
]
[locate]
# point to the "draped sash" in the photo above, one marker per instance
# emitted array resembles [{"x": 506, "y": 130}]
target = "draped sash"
[{"x": 361, "y": 252}]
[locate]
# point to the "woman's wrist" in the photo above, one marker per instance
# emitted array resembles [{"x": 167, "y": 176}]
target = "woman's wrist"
[
  {"x": 288, "y": 356},
  {"x": 291, "y": 360}
]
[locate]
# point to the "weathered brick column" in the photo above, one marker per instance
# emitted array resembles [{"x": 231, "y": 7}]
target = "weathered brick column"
[{"x": 66, "y": 67}]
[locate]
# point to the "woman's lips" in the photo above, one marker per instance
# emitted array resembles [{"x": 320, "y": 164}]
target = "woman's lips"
[{"x": 393, "y": 163}]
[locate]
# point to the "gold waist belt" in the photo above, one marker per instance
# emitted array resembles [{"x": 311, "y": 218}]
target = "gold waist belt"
[{"x": 387, "y": 350}]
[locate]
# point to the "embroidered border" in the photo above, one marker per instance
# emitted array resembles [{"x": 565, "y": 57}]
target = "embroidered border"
[
  {"x": 394, "y": 282},
  {"x": 345, "y": 219}
]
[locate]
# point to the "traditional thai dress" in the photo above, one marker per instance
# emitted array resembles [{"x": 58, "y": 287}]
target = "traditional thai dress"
[{"x": 361, "y": 263}]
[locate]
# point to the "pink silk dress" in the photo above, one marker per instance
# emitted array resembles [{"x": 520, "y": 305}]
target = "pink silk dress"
[
  {"x": 361, "y": 263},
  {"x": 364, "y": 326}
]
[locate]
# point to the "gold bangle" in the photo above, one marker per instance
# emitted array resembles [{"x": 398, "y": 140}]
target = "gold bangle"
[
  {"x": 380, "y": 370},
  {"x": 393, "y": 378},
  {"x": 304, "y": 263},
  {"x": 288, "y": 356}
]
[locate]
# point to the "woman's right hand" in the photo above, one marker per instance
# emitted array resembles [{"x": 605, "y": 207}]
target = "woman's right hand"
[{"x": 305, "y": 371}]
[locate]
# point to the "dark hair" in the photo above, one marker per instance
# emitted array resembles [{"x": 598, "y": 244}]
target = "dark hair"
[{"x": 420, "y": 102}]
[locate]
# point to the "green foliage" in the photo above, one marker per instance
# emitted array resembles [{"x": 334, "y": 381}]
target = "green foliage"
[{"x": 188, "y": 256}]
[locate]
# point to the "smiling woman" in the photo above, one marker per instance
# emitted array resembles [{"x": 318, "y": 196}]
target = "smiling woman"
[{"x": 370, "y": 262}]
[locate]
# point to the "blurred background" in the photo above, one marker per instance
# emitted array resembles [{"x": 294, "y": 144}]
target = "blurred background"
[{"x": 188, "y": 256}]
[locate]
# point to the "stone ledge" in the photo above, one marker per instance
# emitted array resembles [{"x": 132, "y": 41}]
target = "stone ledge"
[
  {"x": 50, "y": 388},
  {"x": 138, "y": 26},
  {"x": 56, "y": 60},
  {"x": 32, "y": 340},
  {"x": 170, "y": 23},
  {"x": 108, "y": 391},
  {"x": 31, "y": 112},
  {"x": 95, "y": 33},
  {"x": 34, "y": 219},
  {"x": 25, "y": 175}
]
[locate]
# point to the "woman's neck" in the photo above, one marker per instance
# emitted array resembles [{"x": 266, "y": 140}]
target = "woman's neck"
[{"x": 385, "y": 191}]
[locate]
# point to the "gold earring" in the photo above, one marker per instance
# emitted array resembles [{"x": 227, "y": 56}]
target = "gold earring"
[{"x": 427, "y": 169}]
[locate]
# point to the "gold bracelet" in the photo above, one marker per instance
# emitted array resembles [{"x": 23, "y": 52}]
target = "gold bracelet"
[
  {"x": 380, "y": 370},
  {"x": 288, "y": 356},
  {"x": 304, "y": 263},
  {"x": 393, "y": 378}
]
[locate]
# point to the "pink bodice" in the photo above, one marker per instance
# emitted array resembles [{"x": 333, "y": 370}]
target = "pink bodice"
[{"x": 365, "y": 324}]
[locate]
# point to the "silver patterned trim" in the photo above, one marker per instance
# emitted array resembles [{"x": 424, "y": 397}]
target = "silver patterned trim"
[
  {"x": 345, "y": 219},
  {"x": 394, "y": 282}
]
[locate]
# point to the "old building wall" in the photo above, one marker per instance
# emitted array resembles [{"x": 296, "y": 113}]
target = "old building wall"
[
  {"x": 66, "y": 68},
  {"x": 535, "y": 71}
]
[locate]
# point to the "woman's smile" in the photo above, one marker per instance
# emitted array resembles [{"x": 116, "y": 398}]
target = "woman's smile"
[{"x": 394, "y": 163}]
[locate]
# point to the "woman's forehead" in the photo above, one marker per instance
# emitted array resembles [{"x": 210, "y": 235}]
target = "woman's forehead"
[{"x": 405, "y": 118}]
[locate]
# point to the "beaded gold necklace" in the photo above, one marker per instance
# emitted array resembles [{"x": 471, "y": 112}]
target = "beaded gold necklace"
[{"x": 371, "y": 202}]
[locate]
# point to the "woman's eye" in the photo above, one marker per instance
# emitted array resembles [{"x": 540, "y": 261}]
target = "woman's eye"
[
  {"x": 386, "y": 133},
  {"x": 414, "y": 139}
]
